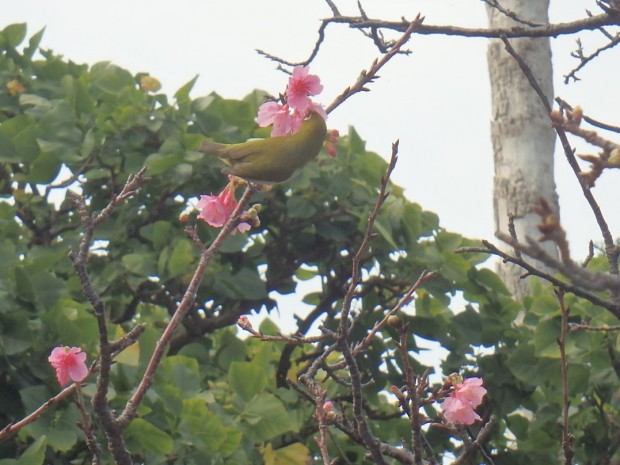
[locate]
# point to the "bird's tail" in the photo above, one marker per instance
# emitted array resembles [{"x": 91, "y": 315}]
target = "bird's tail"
[{"x": 208, "y": 146}]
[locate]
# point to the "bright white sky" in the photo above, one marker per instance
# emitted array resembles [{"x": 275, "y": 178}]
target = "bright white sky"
[{"x": 436, "y": 101}]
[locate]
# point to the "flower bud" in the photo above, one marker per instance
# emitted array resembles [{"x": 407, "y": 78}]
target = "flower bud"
[
  {"x": 184, "y": 217},
  {"x": 15, "y": 87},
  {"x": 614, "y": 158},
  {"x": 149, "y": 84},
  {"x": 244, "y": 322}
]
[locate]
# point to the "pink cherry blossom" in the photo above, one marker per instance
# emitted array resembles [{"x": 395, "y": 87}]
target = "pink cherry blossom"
[
  {"x": 284, "y": 120},
  {"x": 459, "y": 406},
  {"x": 215, "y": 210},
  {"x": 300, "y": 86},
  {"x": 69, "y": 363}
]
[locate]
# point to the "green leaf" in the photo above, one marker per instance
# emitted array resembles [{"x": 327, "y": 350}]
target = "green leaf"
[
  {"x": 247, "y": 378},
  {"x": 204, "y": 429},
  {"x": 293, "y": 454},
  {"x": 143, "y": 436},
  {"x": 18, "y": 138},
  {"x": 73, "y": 321},
  {"x": 182, "y": 94},
  {"x": 15, "y": 34},
  {"x": 490, "y": 280},
  {"x": 304, "y": 274},
  {"x": 356, "y": 143},
  {"x": 7, "y": 150},
  {"x": 17, "y": 336},
  {"x": 33, "y": 44},
  {"x": 159, "y": 163},
  {"x": 110, "y": 78},
  {"x": 265, "y": 417},
  {"x": 47, "y": 288},
  {"x": 44, "y": 169},
  {"x": 180, "y": 371},
  {"x": 142, "y": 264},
  {"x": 35, "y": 454},
  {"x": 546, "y": 338},
  {"x": 385, "y": 230},
  {"x": 300, "y": 207},
  {"x": 182, "y": 258},
  {"x": 159, "y": 233},
  {"x": 246, "y": 284},
  {"x": 369, "y": 168}
]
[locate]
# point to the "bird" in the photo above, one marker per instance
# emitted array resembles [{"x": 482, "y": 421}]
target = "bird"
[{"x": 273, "y": 160}]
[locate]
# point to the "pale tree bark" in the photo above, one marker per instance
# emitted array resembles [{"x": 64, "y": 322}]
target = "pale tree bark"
[{"x": 523, "y": 141}]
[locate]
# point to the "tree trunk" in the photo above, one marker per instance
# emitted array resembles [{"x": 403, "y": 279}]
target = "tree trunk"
[{"x": 523, "y": 141}]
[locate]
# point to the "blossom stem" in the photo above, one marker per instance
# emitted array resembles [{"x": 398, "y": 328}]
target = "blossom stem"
[{"x": 186, "y": 303}]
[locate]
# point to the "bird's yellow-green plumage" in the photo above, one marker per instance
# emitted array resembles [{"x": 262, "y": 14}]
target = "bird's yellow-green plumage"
[{"x": 275, "y": 159}]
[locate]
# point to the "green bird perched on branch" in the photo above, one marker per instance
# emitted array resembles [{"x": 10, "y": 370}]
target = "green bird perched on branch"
[{"x": 275, "y": 159}]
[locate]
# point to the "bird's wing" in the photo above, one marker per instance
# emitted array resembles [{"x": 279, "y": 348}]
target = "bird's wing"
[{"x": 238, "y": 152}]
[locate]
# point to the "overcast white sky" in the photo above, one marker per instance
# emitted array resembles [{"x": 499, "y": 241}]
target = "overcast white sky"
[{"x": 436, "y": 101}]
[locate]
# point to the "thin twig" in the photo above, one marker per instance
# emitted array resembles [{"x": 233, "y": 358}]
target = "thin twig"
[
  {"x": 575, "y": 327},
  {"x": 567, "y": 437},
  {"x": 12, "y": 428},
  {"x": 511, "y": 14},
  {"x": 357, "y": 259},
  {"x": 590, "y": 255},
  {"x": 366, "y": 77},
  {"x": 412, "y": 400},
  {"x": 478, "y": 443},
  {"x": 404, "y": 300},
  {"x": 591, "y": 121},
  {"x": 87, "y": 427},
  {"x": 585, "y": 59}
]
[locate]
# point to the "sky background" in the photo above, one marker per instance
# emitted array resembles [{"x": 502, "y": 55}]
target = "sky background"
[{"x": 436, "y": 100}]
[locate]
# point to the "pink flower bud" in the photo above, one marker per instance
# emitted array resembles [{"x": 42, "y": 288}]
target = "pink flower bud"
[{"x": 244, "y": 322}]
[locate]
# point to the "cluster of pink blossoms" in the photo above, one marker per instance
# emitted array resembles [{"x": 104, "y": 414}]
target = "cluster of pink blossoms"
[
  {"x": 459, "y": 406},
  {"x": 69, "y": 363},
  {"x": 287, "y": 118}
]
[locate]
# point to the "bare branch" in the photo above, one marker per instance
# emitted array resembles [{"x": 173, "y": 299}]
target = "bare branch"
[
  {"x": 511, "y": 14},
  {"x": 607, "y": 127},
  {"x": 366, "y": 77},
  {"x": 569, "y": 287},
  {"x": 550, "y": 30},
  {"x": 585, "y": 59}
]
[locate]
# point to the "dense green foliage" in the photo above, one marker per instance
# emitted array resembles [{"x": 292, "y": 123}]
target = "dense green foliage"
[{"x": 219, "y": 397}]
